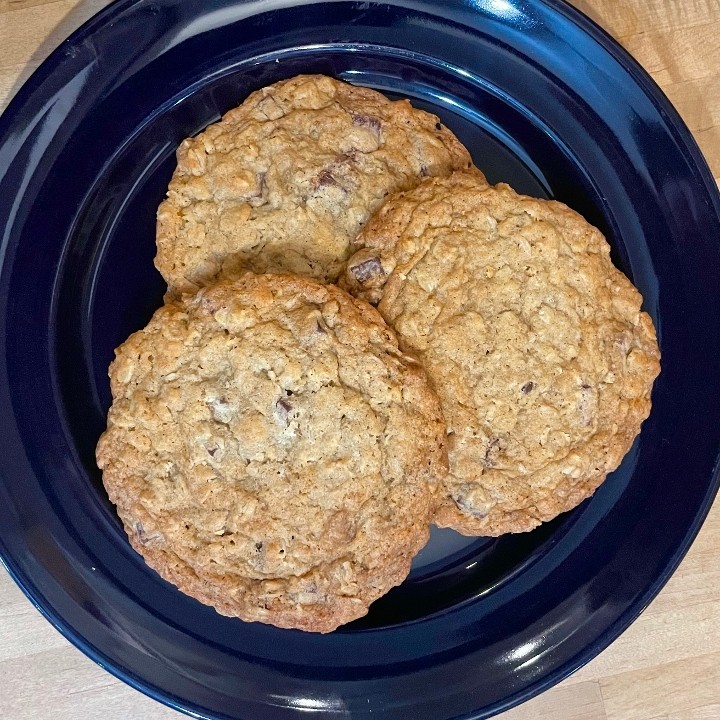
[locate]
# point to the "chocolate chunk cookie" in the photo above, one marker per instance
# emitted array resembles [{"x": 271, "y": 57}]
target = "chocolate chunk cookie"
[
  {"x": 286, "y": 180},
  {"x": 534, "y": 341},
  {"x": 271, "y": 452}
]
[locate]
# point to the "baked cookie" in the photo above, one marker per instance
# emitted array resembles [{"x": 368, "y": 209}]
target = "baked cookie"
[
  {"x": 271, "y": 452},
  {"x": 285, "y": 181},
  {"x": 533, "y": 340}
]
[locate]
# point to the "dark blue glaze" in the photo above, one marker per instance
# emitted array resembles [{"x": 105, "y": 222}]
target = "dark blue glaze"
[{"x": 545, "y": 101}]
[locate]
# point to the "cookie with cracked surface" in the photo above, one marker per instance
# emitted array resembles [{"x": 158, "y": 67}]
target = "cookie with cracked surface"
[
  {"x": 284, "y": 181},
  {"x": 533, "y": 340},
  {"x": 271, "y": 452}
]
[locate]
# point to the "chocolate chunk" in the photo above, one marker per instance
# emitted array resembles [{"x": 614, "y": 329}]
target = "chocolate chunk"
[
  {"x": 438, "y": 126},
  {"x": 528, "y": 387},
  {"x": 326, "y": 179},
  {"x": 282, "y": 412},
  {"x": 367, "y": 269},
  {"x": 466, "y": 506},
  {"x": 143, "y": 535},
  {"x": 259, "y": 195},
  {"x": 494, "y": 448},
  {"x": 344, "y": 159},
  {"x": 209, "y": 303},
  {"x": 368, "y": 121}
]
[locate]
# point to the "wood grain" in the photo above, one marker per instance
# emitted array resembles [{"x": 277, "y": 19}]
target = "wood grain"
[{"x": 666, "y": 666}]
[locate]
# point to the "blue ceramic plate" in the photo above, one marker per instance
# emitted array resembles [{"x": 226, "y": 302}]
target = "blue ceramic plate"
[{"x": 545, "y": 101}]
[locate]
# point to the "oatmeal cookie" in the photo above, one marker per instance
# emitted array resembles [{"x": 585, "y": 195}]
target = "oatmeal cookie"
[
  {"x": 533, "y": 340},
  {"x": 271, "y": 452},
  {"x": 285, "y": 181}
]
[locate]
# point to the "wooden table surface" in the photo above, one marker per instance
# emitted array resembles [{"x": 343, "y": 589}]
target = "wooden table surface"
[{"x": 665, "y": 667}]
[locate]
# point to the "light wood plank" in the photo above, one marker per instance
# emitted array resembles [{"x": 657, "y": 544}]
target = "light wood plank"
[
  {"x": 680, "y": 634},
  {"x": 570, "y": 702},
  {"x": 10, "y": 5},
  {"x": 680, "y": 55},
  {"x": 698, "y": 104},
  {"x": 708, "y": 712},
  {"x": 26, "y": 25},
  {"x": 30, "y": 32},
  {"x": 668, "y": 690},
  {"x": 23, "y": 630},
  {"x": 697, "y": 579},
  {"x": 63, "y": 684},
  {"x": 44, "y": 677},
  {"x": 621, "y": 18},
  {"x": 10, "y": 80},
  {"x": 677, "y": 634}
]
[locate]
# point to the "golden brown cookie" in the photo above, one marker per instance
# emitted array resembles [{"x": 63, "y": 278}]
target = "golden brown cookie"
[
  {"x": 533, "y": 340},
  {"x": 271, "y": 452},
  {"x": 285, "y": 181}
]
